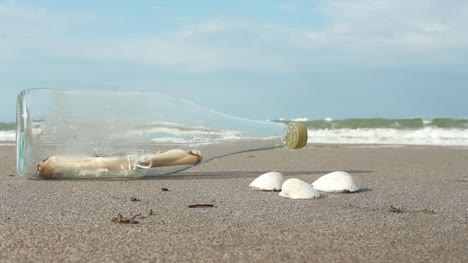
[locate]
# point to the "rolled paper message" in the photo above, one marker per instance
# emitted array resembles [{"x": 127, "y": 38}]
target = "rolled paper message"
[{"x": 60, "y": 166}]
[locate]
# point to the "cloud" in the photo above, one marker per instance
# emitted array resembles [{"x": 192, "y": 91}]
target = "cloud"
[
  {"x": 361, "y": 32},
  {"x": 158, "y": 7},
  {"x": 416, "y": 24},
  {"x": 290, "y": 8},
  {"x": 200, "y": 48}
]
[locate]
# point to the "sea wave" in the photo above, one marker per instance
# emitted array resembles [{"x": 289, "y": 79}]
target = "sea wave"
[
  {"x": 300, "y": 119},
  {"x": 376, "y": 123},
  {"x": 448, "y": 132},
  {"x": 6, "y": 136},
  {"x": 425, "y": 136}
]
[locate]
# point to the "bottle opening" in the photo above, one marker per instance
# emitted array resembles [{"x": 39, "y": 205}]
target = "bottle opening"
[{"x": 296, "y": 136}]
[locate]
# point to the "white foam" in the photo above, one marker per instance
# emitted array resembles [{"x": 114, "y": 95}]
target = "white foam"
[
  {"x": 382, "y": 136},
  {"x": 300, "y": 119},
  {"x": 427, "y": 122},
  {"x": 180, "y": 135},
  {"x": 7, "y": 136},
  {"x": 426, "y": 136}
]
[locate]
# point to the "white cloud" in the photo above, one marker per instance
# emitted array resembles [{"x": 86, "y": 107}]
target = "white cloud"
[
  {"x": 291, "y": 8},
  {"x": 363, "y": 32},
  {"x": 413, "y": 24},
  {"x": 158, "y": 7},
  {"x": 199, "y": 48}
]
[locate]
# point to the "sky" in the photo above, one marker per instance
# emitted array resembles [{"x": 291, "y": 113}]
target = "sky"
[{"x": 255, "y": 59}]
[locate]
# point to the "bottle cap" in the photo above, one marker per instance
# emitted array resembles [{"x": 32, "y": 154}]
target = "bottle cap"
[{"x": 296, "y": 136}]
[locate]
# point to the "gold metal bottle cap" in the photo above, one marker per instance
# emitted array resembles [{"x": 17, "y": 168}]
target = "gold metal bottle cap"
[{"x": 296, "y": 136}]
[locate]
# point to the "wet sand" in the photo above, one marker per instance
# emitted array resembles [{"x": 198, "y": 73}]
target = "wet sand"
[{"x": 413, "y": 208}]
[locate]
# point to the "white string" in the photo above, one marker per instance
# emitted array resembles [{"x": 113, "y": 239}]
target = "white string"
[
  {"x": 139, "y": 162},
  {"x": 144, "y": 159}
]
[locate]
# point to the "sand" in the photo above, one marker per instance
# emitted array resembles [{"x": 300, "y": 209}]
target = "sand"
[{"x": 414, "y": 208}]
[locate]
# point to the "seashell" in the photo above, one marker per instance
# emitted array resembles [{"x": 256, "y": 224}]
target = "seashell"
[
  {"x": 271, "y": 181},
  {"x": 298, "y": 189},
  {"x": 338, "y": 182}
]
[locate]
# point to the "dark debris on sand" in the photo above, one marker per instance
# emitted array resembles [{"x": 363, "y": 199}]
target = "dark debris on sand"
[
  {"x": 200, "y": 205},
  {"x": 120, "y": 219},
  {"x": 133, "y": 219},
  {"x": 394, "y": 209}
]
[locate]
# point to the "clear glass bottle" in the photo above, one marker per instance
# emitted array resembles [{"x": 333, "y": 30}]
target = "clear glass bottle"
[{"x": 103, "y": 134}]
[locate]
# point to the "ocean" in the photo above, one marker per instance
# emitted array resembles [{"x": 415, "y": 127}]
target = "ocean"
[
  {"x": 7, "y": 131},
  {"x": 417, "y": 131}
]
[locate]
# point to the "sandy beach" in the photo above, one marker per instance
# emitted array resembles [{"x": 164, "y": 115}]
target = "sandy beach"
[{"x": 413, "y": 208}]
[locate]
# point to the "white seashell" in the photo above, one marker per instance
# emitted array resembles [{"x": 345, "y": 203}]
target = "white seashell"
[
  {"x": 271, "y": 181},
  {"x": 298, "y": 189},
  {"x": 338, "y": 182}
]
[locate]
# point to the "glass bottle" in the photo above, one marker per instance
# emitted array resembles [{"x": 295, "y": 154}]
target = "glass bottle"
[{"x": 112, "y": 134}]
